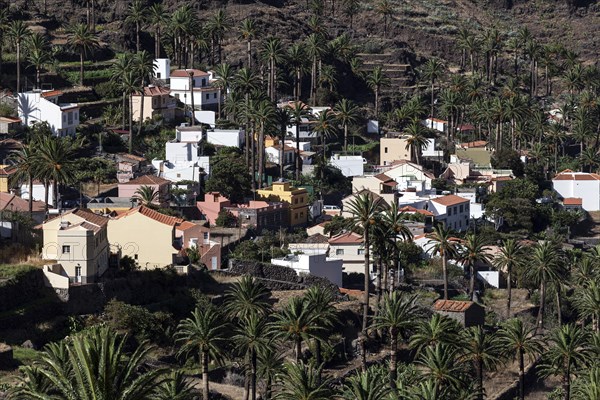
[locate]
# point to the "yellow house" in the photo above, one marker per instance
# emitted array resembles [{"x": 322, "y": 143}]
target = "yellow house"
[
  {"x": 157, "y": 100},
  {"x": 296, "y": 198},
  {"x": 77, "y": 241},
  {"x": 5, "y": 172},
  {"x": 392, "y": 149}
]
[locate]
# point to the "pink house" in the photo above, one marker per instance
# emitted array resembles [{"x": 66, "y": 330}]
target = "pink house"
[
  {"x": 159, "y": 184},
  {"x": 212, "y": 205}
]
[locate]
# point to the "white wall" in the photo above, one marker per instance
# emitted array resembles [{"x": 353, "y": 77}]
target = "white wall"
[
  {"x": 38, "y": 192},
  {"x": 32, "y": 107},
  {"x": 349, "y": 165},
  {"x": 492, "y": 278},
  {"x": 225, "y": 137},
  {"x": 317, "y": 265},
  {"x": 162, "y": 68},
  {"x": 205, "y": 117},
  {"x": 588, "y": 191}
]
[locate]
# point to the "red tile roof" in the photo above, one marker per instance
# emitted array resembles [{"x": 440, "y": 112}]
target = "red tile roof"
[
  {"x": 568, "y": 175},
  {"x": 10, "y": 120},
  {"x": 147, "y": 180},
  {"x": 452, "y": 305},
  {"x": 155, "y": 215},
  {"x": 411, "y": 209},
  {"x": 450, "y": 200},
  {"x": 477, "y": 143},
  {"x": 154, "y": 91},
  {"x": 346, "y": 238},
  {"x": 15, "y": 203},
  {"x": 52, "y": 93},
  {"x": 383, "y": 177},
  {"x": 572, "y": 201},
  {"x": 183, "y": 73}
]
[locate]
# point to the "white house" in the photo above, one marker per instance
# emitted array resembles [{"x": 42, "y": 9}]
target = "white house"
[
  {"x": 349, "y": 165},
  {"x": 349, "y": 248},
  {"x": 205, "y": 94},
  {"x": 226, "y": 137},
  {"x": 437, "y": 124},
  {"x": 273, "y": 152},
  {"x": 43, "y": 106},
  {"x": 579, "y": 185},
  {"x": 162, "y": 68},
  {"x": 313, "y": 264},
  {"x": 183, "y": 158},
  {"x": 410, "y": 177},
  {"x": 39, "y": 192},
  {"x": 452, "y": 210}
]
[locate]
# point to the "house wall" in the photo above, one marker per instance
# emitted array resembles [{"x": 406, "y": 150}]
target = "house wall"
[
  {"x": 147, "y": 241},
  {"x": 39, "y": 192},
  {"x": 391, "y": 149},
  {"x": 352, "y": 256},
  {"x": 408, "y": 175},
  {"x": 127, "y": 190},
  {"x": 318, "y": 265},
  {"x": 272, "y": 154},
  {"x": 87, "y": 250},
  {"x": 588, "y": 191},
  {"x": 32, "y": 107},
  {"x": 456, "y": 219},
  {"x": 162, "y": 68},
  {"x": 368, "y": 182},
  {"x": 349, "y": 165},
  {"x": 225, "y": 137},
  {"x": 297, "y": 199},
  {"x": 161, "y": 104}
]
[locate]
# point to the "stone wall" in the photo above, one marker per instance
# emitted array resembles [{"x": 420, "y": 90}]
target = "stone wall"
[{"x": 276, "y": 277}]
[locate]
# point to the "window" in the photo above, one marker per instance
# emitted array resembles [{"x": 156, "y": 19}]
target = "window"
[
  {"x": 205, "y": 235},
  {"x": 203, "y": 81},
  {"x": 296, "y": 200},
  {"x": 301, "y": 213},
  {"x": 179, "y": 175},
  {"x": 385, "y": 150},
  {"x": 158, "y": 75},
  {"x": 295, "y": 215},
  {"x": 207, "y": 96},
  {"x": 461, "y": 208},
  {"x": 455, "y": 210},
  {"x": 449, "y": 211},
  {"x": 66, "y": 249},
  {"x": 339, "y": 252},
  {"x": 135, "y": 257},
  {"x": 214, "y": 96},
  {"x": 360, "y": 252},
  {"x": 177, "y": 96},
  {"x": 65, "y": 117}
]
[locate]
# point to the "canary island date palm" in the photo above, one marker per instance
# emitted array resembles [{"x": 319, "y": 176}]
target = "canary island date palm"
[
  {"x": 365, "y": 210},
  {"x": 319, "y": 301},
  {"x": 346, "y": 113},
  {"x": 295, "y": 322},
  {"x": 146, "y": 195},
  {"x": 397, "y": 312},
  {"x": 251, "y": 338},
  {"x": 510, "y": 257},
  {"x": 247, "y": 297},
  {"x": 438, "y": 330},
  {"x": 567, "y": 352},
  {"x": 299, "y": 381},
  {"x": 366, "y": 385},
  {"x": 18, "y": 33},
  {"x": 587, "y": 303},
  {"x": 587, "y": 386},
  {"x": 440, "y": 363},
  {"x": 443, "y": 244},
  {"x": 472, "y": 251},
  {"x": 482, "y": 350},
  {"x": 82, "y": 39},
  {"x": 203, "y": 332},
  {"x": 518, "y": 341},
  {"x": 174, "y": 387},
  {"x": 89, "y": 366}
]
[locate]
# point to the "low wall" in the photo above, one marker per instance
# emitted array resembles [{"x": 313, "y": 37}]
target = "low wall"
[{"x": 53, "y": 279}]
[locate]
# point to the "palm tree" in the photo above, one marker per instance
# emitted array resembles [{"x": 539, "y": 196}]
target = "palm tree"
[
  {"x": 136, "y": 15},
  {"x": 518, "y": 341},
  {"x": 587, "y": 303},
  {"x": 122, "y": 65},
  {"x": 223, "y": 81},
  {"x": 320, "y": 301},
  {"x": 38, "y": 58},
  {"x": 203, "y": 332},
  {"x": 173, "y": 388},
  {"x": 299, "y": 110},
  {"x": 18, "y": 32},
  {"x": 351, "y": 8},
  {"x": 144, "y": 68},
  {"x": 326, "y": 128},
  {"x": 284, "y": 118},
  {"x": 264, "y": 115},
  {"x": 438, "y": 330},
  {"x": 296, "y": 59},
  {"x": 440, "y": 364},
  {"x": 251, "y": 339},
  {"x": 82, "y": 39},
  {"x": 130, "y": 84},
  {"x": 376, "y": 80},
  {"x": 365, "y": 210},
  {"x": 433, "y": 71},
  {"x": 272, "y": 52},
  {"x": 217, "y": 25},
  {"x": 3, "y": 29},
  {"x": 393, "y": 221},
  {"x": 386, "y": 10},
  {"x": 587, "y": 387},
  {"x": 567, "y": 351},
  {"x": 54, "y": 157},
  {"x": 443, "y": 244},
  {"x": 301, "y": 382},
  {"x": 396, "y": 313},
  {"x": 247, "y": 297},
  {"x": 157, "y": 18},
  {"x": 482, "y": 350},
  {"x": 146, "y": 195},
  {"x": 295, "y": 322},
  {"x": 314, "y": 49},
  {"x": 25, "y": 163},
  {"x": 248, "y": 31},
  {"x": 366, "y": 385},
  {"x": 510, "y": 257},
  {"x": 545, "y": 267},
  {"x": 417, "y": 141},
  {"x": 270, "y": 362},
  {"x": 90, "y": 365},
  {"x": 471, "y": 252},
  {"x": 346, "y": 113}
]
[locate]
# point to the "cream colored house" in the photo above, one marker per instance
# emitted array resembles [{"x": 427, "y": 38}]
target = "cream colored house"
[
  {"x": 349, "y": 248},
  {"x": 392, "y": 149},
  {"x": 77, "y": 240},
  {"x": 155, "y": 240},
  {"x": 157, "y": 101}
]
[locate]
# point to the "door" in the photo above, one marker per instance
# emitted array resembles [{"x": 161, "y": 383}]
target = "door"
[
  {"x": 78, "y": 274},
  {"x": 213, "y": 263}
]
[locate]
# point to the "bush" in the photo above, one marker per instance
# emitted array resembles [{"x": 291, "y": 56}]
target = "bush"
[
  {"x": 106, "y": 90},
  {"x": 138, "y": 321}
]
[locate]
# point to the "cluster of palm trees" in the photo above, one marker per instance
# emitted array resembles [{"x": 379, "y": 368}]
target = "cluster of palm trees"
[
  {"x": 48, "y": 159},
  {"x": 446, "y": 361}
]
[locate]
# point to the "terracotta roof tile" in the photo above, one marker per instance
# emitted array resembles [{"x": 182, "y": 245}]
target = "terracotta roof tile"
[
  {"x": 154, "y": 91},
  {"x": 147, "y": 180},
  {"x": 383, "y": 177},
  {"x": 15, "y": 203},
  {"x": 572, "y": 201},
  {"x": 452, "y": 305},
  {"x": 183, "y": 73},
  {"x": 52, "y": 93},
  {"x": 152, "y": 214},
  {"x": 568, "y": 175},
  {"x": 411, "y": 209},
  {"x": 450, "y": 200},
  {"x": 346, "y": 238},
  {"x": 10, "y": 120}
]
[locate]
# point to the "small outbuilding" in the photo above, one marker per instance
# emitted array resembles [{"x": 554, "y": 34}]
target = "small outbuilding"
[{"x": 467, "y": 313}]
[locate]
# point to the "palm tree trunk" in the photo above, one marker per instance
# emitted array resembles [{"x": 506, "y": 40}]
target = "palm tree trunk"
[
  {"x": 93, "y": 17},
  {"x": 558, "y": 307},
  {"x": 81, "y": 67},
  {"x": 37, "y": 77},
  {"x": 137, "y": 36},
  {"x": 298, "y": 84},
  {"x": 346, "y": 138},
  {"x": 377, "y": 102},
  {"x": 480, "y": 379},
  {"x": 141, "y": 112},
  {"x": 567, "y": 382},
  {"x": 205, "y": 389},
  {"x": 130, "y": 123},
  {"x": 540, "y": 316},
  {"x": 281, "y": 153},
  {"x": 508, "y": 290},
  {"x": 157, "y": 42},
  {"x": 124, "y": 113},
  {"x": 365, "y": 322},
  {"x": 521, "y": 375},
  {"x": 249, "y": 53},
  {"x": 297, "y": 152},
  {"x": 318, "y": 359},
  {"x": 261, "y": 155},
  {"x": 253, "y": 361},
  {"x": 298, "y": 349},
  {"x": 472, "y": 280},
  {"x": 46, "y": 196},
  {"x": 393, "y": 357},
  {"x": 18, "y": 67},
  {"x": 445, "y": 273}
]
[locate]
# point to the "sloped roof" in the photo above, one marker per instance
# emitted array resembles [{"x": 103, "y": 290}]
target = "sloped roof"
[
  {"x": 452, "y": 305},
  {"x": 411, "y": 209},
  {"x": 152, "y": 214},
  {"x": 572, "y": 201},
  {"x": 10, "y": 119},
  {"x": 154, "y": 91},
  {"x": 316, "y": 238},
  {"x": 89, "y": 216},
  {"x": 52, "y": 93},
  {"x": 183, "y": 73},
  {"x": 450, "y": 200},
  {"x": 346, "y": 238},
  {"x": 568, "y": 175},
  {"x": 475, "y": 144},
  {"x": 147, "y": 180},
  {"x": 15, "y": 203},
  {"x": 383, "y": 177}
]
